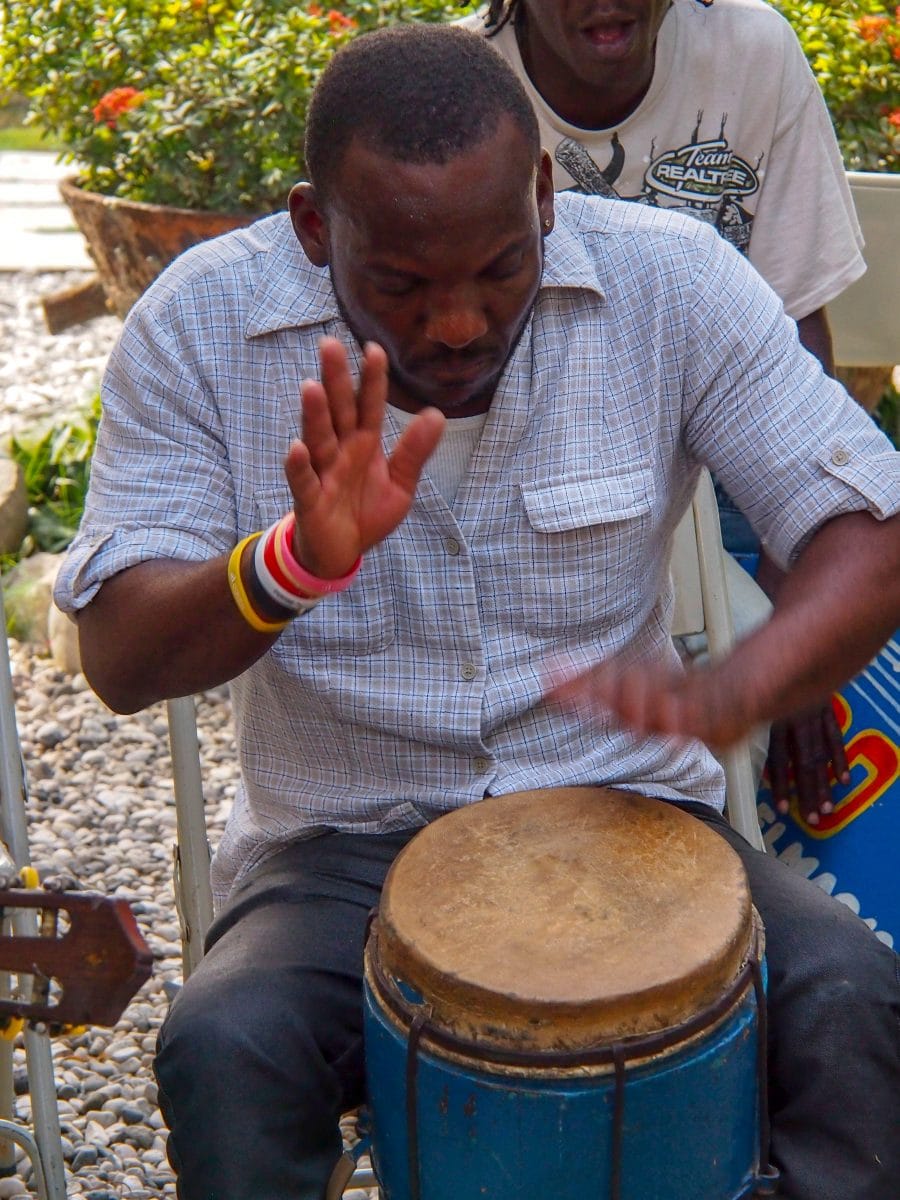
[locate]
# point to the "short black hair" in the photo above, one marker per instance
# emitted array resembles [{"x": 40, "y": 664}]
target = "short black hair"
[{"x": 418, "y": 93}]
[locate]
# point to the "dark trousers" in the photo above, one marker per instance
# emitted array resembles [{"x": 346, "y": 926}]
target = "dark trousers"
[{"x": 262, "y": 1049}]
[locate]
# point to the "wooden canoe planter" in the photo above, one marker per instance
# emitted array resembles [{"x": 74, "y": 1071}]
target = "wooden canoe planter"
[{"x": 132, "y": 242}]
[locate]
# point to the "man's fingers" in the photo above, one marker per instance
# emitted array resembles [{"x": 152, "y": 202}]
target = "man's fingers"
[
  {"x": 373, "y": 388},
  {"x": 812, "y": 749},
  {"x": 654, "y": 698},
  {"x": 302, "y": 478},
  {"x": 318, "y": 428},
  {"x": 339, "y": 385},
  {"x": 813, "y": 790},
  {"x": 645, "y": 698},
  {"x": 779, "y": 775},
  {"x": 415, "y": 446},
  {"x": 835, "y": 739}
]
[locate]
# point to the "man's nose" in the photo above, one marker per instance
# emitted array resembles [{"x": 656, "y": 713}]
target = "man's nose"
[{"x": 456, "y": 323}]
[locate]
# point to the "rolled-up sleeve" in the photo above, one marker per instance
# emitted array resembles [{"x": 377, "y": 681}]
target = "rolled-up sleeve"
[
  {"x": 160, "y": 482},
  {"x": 788, "y": 443}
]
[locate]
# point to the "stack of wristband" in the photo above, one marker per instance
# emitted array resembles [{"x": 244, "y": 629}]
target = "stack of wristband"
[{"x": 278, "y": 588}]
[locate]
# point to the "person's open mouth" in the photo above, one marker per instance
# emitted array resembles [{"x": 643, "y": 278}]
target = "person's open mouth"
[{"x": 613, "y": 34}]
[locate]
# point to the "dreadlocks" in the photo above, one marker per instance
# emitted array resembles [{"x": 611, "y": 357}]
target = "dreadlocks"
[{"x": 500, "y": 13}]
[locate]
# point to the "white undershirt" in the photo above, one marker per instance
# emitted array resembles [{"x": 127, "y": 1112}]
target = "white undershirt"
[{"x": 451, "y": 459}]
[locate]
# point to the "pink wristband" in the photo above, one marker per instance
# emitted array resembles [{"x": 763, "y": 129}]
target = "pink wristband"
[
  {"x": 284, "y": 538},
  {"x": 276, "y": 586}
]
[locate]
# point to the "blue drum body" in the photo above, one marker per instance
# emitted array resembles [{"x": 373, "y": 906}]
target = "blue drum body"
[
  {"x": 565, "y": 997},
  {"x": 852, "y": 852},
  {"x": 689, "y": 1130}
]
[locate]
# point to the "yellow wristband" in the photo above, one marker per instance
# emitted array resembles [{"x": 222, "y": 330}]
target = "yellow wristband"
[{"x": 239, "y": 592}]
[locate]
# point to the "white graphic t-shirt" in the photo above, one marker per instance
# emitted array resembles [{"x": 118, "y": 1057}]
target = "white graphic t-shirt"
[{"x": 733, "y": 131}]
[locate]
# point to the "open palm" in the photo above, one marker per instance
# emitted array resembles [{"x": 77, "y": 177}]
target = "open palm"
[{"x": 348, "y": 495}]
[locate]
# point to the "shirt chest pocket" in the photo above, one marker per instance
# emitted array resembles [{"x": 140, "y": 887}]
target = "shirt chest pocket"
[
  {"x": 356, "y": 622},
  {"x": 587, "y": 552}
]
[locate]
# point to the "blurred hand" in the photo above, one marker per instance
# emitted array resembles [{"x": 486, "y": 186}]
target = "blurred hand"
[{"x": 701, "y": 701}]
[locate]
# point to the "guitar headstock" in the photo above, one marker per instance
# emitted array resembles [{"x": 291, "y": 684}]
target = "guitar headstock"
[{"x": 81, "y": 966}]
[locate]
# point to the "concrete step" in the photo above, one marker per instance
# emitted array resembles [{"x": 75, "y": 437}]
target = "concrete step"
[{"x": 37, "y": 232}]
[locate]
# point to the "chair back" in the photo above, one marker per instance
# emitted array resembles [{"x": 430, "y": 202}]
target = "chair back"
[
  {"x": 699, "y": 568},
  {"x": 865, "y": 319}
]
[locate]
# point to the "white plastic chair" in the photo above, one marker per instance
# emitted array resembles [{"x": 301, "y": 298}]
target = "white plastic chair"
[
  {"x": 702, "y": 605},
  {"x": 42, "y": 1143},
  {"x": 865, "y": 319}
]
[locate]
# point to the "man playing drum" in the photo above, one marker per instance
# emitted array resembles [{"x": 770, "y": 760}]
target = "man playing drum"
[{"x": 564, "y": 366}]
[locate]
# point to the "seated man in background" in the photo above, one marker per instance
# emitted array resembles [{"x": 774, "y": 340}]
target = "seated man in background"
[
  {"x": 564, "y": 367},
  {"x": 707, "y": 107}
]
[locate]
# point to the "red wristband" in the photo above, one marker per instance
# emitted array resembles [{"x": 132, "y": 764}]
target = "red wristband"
[{"x": 284, "y": 538}]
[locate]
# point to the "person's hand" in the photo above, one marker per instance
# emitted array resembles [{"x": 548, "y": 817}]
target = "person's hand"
[
  {"x": 801, "y": 750},
  {"x": 347, "y": 495},
  {"x": 701, "y": 701}
]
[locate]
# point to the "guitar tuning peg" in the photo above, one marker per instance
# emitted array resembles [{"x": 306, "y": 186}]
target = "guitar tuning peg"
[{"x": 60, "y": 883}]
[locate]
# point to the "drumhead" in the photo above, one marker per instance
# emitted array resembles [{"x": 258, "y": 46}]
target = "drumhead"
[{"x": 564, "y": 918}]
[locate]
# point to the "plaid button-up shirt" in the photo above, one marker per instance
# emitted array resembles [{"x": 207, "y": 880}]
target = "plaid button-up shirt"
[{"x": 653, "y": 348}]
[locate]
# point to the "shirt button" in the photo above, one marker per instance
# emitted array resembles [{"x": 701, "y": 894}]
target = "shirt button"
[
  {"x": 451, "y": 545},
  {"x": 481, "y": 764},
  {"x": 469, "y": 671},
  {"x": 840, "y": 458}
]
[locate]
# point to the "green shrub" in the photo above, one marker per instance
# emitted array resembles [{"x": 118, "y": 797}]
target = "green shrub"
[
  {"x": 56, "y": 464},
  {"x": 853, "y": 47},
  {"x": 196, "y": 103}
]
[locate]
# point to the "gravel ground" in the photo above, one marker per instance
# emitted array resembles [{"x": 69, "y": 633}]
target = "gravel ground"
[
  {"x": 42, "y": 374},
  {"x": 100, "y": 805}
]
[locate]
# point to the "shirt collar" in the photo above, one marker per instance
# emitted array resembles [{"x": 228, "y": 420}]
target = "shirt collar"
[
  {"x": 291, "y": 293},
  {"x": 568, "y": 261}
]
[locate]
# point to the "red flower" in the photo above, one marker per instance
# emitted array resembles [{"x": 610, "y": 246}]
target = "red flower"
[
  {"x": 111, "y": 106},
  {"x": 894, "y": 118},
  {"x": 871, "y": 28},
  {"x": 315, "y": 10},
  {"x": 338, "y": 21}
]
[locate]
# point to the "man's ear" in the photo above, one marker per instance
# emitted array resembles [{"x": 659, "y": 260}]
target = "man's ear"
[
  {"x": 309, "y": 224},
  {"x": 544, "y": 192}
]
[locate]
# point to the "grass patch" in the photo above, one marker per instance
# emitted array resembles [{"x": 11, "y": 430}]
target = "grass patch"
[
  {"x": 26, "y": 138},
  {"x": 15, "y": 134}
]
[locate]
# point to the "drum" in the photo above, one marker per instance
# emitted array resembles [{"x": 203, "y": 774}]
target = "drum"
[
  {"x": 852, "y": 852},
  {"x": 564, "y": 996}
]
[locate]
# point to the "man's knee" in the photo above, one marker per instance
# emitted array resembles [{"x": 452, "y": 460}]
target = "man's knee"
[{"x": 287, "y": 1036}]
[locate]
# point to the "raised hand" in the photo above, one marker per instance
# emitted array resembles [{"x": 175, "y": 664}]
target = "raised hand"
[{"x": 348, "y": 495}]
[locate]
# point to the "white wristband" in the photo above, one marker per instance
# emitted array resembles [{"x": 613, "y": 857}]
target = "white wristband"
[{"x": 272, "y": 587}]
